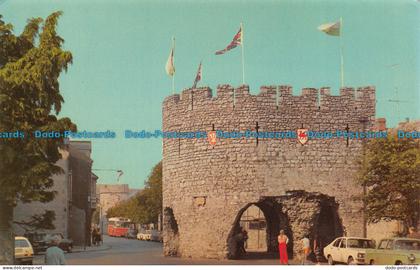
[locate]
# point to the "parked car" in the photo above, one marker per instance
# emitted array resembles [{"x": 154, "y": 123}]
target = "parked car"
[
  {"x": 131, "y": 233},
  {"x": 37, "y": 241},
  {"x": 395, "y": 251},
  {"x": 156, "y": 236},
  {"x": 144, "y": 235},
  {"x": 24, "y": 253},
  {"x": 350, "y": 250},
  {"x": 64, "y": 244}
]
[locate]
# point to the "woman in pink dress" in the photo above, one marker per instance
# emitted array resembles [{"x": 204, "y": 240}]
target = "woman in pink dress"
[{"x": 283, "y": 241}]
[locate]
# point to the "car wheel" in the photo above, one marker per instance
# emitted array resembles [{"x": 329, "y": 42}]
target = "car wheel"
[
  {"x": 330, "y": 260},
  {"x": 398, "y": 263},
  {"x": 69, "y": 249},
  {"x": 350, "y": 260},
  {"x": 372, "y": 262}
]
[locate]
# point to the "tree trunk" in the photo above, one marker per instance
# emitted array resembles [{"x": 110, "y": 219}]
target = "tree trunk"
[{"x": 7, "y": 241}]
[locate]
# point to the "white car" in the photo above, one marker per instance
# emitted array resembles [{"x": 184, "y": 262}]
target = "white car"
[
  {"x": 349, "y": 250},
  {"x": 144, "y": 235}
]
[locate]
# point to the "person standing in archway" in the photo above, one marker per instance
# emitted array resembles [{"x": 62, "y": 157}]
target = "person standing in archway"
[
  {"x": 306, "y": 248},
  {"x": 283, "y": 241},
  {"x": 317, "y": 249}
]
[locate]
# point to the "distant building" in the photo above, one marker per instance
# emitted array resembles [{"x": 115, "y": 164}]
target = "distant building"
[
  {"x": 75, "y": 198},
  {"x": 110, "y": 195},
  {"x": 83, "y": 200}
]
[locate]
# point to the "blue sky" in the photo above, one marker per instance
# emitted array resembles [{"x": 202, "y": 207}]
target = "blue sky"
[{"x": 117, "y": 80}]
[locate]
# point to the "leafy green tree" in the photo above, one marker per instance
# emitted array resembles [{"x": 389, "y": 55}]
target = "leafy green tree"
[
  {"x": 391, "y": 173},
  {"x": 146, "y": 206},
  {"x": 36, "y": 222},
  {"x": 30, "y": 99}
]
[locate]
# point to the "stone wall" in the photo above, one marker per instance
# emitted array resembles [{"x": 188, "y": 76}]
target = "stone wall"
[
  {"x": 77, "y": 228},
  {"x": 384, "y": 229},
  {"x": 60, "y": 204},
  {"x": 206, "y": 186},
  {"x": 111, "y": 194},
  {"x": 81, "y": 177}
]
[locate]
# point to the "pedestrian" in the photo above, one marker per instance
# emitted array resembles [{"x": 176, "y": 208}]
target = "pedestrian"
[
  {"x": 245, "y": 236},
  {"x": 306, "y": 248},
  {"x": 99, "y": 237},
  {"x": 94, "y": 237},
  {"x": 317, "y": 250},
  {"x": 54, "y": 255},
  {"x": 283, "y": 241},
  {"x": 412, "y": 233},
  {"x": 240, "y": 240}
]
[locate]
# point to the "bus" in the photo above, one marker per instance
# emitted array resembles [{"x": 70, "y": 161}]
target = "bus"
[{"x": 118, "y": 226}]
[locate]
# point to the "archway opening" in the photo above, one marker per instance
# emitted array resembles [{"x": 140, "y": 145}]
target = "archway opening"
[
  {"x": 262, "y": 221},
  {"x": 328, "y": 225},
  {"x": 254, "y": 223}
]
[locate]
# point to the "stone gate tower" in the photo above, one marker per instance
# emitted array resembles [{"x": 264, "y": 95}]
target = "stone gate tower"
[{"x": 303, "y": 189}]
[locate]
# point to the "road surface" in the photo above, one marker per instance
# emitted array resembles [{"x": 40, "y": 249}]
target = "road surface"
[{"x": 121, "y": 251}]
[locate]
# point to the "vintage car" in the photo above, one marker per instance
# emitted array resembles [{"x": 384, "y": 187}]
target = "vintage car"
[
  {"x": 349, "y": 250},
  {"x": 24, "y": 253},
  {"x": 144, "y": 235},
  {"x": 131, "y": 233},
  {"x": 37, "y": 241},
  {"x": 41, "y": 241},
  {"x": 156, "y": 236},
  {"x": 64, "y": 244},
  {"x": 395, "y": 251}
]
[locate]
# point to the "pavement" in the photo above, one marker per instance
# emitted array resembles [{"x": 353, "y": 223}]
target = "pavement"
[
  {"x": 40, "y": 258},
  {"x": 121, "y": 251}
]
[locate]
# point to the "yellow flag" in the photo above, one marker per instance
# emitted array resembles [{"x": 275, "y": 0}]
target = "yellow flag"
[{"x": 332, "y": 29}]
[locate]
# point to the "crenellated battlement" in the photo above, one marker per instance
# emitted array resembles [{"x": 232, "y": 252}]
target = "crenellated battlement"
[
  {"x": 213, "y": 180},
  {"x": 278, "y": 96}
]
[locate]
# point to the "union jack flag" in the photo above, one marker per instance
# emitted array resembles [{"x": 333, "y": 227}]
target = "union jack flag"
[{"x": 237, "y": 40}]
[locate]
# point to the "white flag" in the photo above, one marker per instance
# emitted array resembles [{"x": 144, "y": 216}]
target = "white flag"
[
  {"x": 170, "y": 68},
  {"x": 332, "y": 29}
]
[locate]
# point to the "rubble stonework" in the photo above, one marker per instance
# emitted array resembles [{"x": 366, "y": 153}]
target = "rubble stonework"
[{"x": 299, "y": 188}]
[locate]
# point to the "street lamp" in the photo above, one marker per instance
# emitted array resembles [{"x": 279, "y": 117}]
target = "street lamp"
[{"x": 119, "y": 172}]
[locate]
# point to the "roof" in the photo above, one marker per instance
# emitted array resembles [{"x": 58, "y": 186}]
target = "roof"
[
  {"x": 353, "y": 237},
  {"x": 401, "y": 238},
  {"x": 20, "y": 238}
]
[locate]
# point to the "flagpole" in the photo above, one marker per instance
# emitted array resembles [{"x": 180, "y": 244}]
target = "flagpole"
[
  {"x": 173, "y": 84},
  {"x": 242, "y": 46},
  {"x": 341, "y": 52},
  {"x": 173, "y": 64}
]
